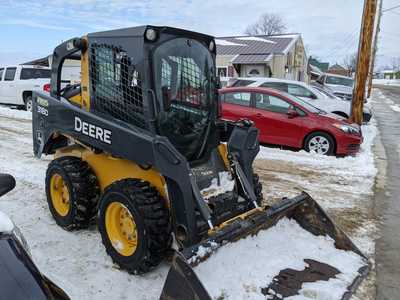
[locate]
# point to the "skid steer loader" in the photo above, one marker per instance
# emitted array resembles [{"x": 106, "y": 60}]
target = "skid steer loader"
[{"x": 139, "y": 146}]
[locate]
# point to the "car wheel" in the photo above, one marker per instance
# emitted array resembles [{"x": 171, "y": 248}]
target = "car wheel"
[
  {"x": 28, "y": 103},
  {"x": 320, "y": 143}
]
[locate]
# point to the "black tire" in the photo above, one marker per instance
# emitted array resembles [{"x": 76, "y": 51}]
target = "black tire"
[
  {"x": 308, "y": 143},
  {"x": 151, "y": 215},
  {"x": 258, "y": 189},
  {"x": 28, "y": 103},
  {"x": 83, "y": 192}
]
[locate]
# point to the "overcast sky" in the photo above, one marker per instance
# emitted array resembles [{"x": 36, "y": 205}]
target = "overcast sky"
[{"x": 330, "y": 29}]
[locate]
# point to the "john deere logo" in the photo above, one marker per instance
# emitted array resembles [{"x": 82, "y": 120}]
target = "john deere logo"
[{"x": 93, "y": 131}]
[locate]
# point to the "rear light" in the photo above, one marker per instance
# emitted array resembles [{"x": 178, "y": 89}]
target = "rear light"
[{"x": 46, "y": 87}]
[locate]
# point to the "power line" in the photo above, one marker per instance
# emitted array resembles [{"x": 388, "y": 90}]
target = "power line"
[{"x": 391, "y": 8}]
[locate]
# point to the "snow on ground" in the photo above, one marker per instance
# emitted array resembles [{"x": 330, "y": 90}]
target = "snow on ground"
[
  {"x": 262, "y": 257},
  {"x": 395, "y": 108},
  {"x": 15, "y": 113},
  {"x": 78, "y": 262},
  {"x": 395, "y": 82},
  {"x": 6, "y": 225}
]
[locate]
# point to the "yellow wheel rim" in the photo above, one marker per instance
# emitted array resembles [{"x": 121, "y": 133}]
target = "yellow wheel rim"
[
  {"x": 59, "y": 195},
  {"x": 121, "y": 229}
]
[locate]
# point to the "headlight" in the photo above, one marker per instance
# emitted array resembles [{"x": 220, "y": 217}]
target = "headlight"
[
  {"x": 151, "y": 34},
  {"x": 18, "y": 234},
  {"x": 347, "y": 128}
]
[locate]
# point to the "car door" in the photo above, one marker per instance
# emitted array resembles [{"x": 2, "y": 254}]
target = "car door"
[
  {"x": 237, "y": 105},
  {"x": 276, "y": 127},
  {"x": 9, "y": 88}
]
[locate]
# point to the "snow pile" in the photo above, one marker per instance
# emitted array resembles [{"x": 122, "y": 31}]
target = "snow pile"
[
  {"x": 255, "y": 38},
  {"x": 15, "y": 113},
  {"x": 6, "y": 225},
  {"x": 395, "y": 108},
  {"x": 239, "y": 270},
  {"x": 226, "y": 43},
  {"x": 218, "y": 186},
  {"x": 362, "y": 165},
  {"x": 395, "y": 82}
]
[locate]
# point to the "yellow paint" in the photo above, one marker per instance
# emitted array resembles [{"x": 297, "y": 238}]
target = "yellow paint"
[
  {"x": 85, "y": 78},
  {"x": 242, "y": 216},
  {"x": 109, "y": 169},
  {"x": 76, "y": 99},
  {"x": 223, "y": 151},
  {"x": 59, "y": 195},
  {"x": 121, "y": 228}
]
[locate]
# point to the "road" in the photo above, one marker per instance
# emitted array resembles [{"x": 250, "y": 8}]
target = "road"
[{"x": 387, "y": 112}]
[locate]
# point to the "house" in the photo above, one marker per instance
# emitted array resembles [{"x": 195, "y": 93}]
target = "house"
[
  {"x": 338, "y": 70},
  {"x": 390, "y": 74},
  {"x": 280, "y": 56}
]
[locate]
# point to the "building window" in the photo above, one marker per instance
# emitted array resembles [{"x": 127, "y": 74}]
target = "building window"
[
  {"x": 254, "y": 72},
  {"x": 222, "y": 71}
]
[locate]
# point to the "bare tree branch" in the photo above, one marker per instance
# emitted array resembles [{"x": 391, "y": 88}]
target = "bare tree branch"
[
  {"x": 350, "y": 63},
  {"x": 267, "y": 24}
]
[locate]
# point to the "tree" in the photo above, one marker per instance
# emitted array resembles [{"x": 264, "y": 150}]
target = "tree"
[
  {"x": 350, "y": 63},
  {"x": 395, "y": 64},
  {"x": 267, "y": 24}
]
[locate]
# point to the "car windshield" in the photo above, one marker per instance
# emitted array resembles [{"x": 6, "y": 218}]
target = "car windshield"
[
  {"x": 323, "y": 92},
  {"x": 33, "y": 73},
  {"x": 185, "y": 87},
  {"x": 303, "y": 103},
  {"x": 339, "y": 81}
]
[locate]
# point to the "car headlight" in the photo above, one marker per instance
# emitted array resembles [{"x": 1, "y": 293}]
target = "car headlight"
[
  {"x": 347, "y": 128},
  {"x": 18, "y": 234}
]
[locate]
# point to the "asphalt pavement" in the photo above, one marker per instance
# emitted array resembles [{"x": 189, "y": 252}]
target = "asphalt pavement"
[{"x": 387, "y": 199}]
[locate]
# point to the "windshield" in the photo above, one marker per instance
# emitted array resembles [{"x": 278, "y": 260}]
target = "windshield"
[
  {"x": 339, "y": 81},
  {"x": 323, "y": 92},
  {"x": 303, "y": 103},
  {"x": 184, "y": 86},
  {"x": 32, "y": 73}
]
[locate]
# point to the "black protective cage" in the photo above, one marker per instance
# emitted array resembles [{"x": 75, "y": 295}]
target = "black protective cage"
[{"x": 132, "y": 131}]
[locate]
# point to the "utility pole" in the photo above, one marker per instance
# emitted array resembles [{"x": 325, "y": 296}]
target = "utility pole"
[
  {"x": 364, "y": 56},
  {"x": 374, "y": 50}
]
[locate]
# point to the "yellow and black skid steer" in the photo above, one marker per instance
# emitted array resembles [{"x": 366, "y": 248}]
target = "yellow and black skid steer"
[{"x": 140, "y": 146}]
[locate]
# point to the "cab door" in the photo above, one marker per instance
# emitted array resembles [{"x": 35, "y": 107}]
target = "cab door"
[{"x": 276, "y": 126}]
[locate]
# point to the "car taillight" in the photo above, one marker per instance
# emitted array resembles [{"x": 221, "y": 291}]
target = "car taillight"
[{"x": 46, "y": 87}]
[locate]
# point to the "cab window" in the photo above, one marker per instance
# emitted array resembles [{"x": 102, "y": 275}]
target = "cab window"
[
  {"x": 10, "y": 74},
  {"x": 240, "y": 98},
  {"x": 271, "y": 103},
  {"x": 1, "y": 74}
]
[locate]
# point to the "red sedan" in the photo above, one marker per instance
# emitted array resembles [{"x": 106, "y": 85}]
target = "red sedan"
[{"x": 289, "y": 121}]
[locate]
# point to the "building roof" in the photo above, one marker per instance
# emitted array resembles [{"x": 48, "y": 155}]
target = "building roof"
[
  {"x": 260, "y": 44},
  {"x": 323, "y": 66},
  {"x": 251, "y": 58},
  {"x": 337, "y": 67}
]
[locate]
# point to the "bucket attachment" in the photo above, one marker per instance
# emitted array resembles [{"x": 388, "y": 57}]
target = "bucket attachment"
[{"x": 183, "y": 283}]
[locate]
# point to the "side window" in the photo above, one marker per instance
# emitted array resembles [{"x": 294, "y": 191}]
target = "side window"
[
  {"x": 297, "y": 90},
  {"x": 239, "y": 98},
  {"x": 272, "y": 103},
  {"x": 239, "y": 83},
  {"x": 10, "y": 74},
  {"x": 280, "y": 86},
  {"x": 1, "y": 74}
]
